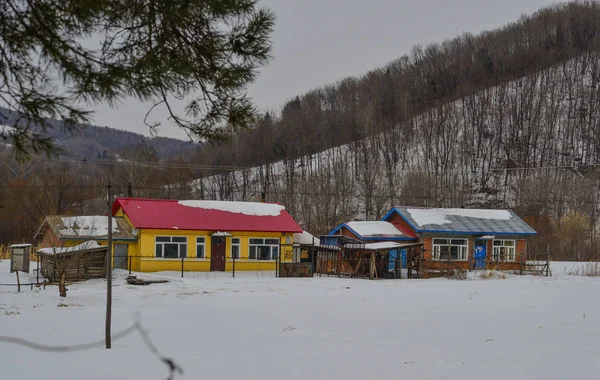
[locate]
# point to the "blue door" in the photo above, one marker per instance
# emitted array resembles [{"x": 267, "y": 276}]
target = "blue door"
[
  {"x": 480, "y": 253},
  {"x": 392, "y": 260},
  {"x": 403, "y": 257}
]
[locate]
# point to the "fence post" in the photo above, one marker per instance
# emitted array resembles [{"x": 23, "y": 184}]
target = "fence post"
[
  {"x": 522, "y": 264},
  {"x": 278, "y": 260},
  {"x": 182, "y": 258},
  {"x": 470, "y": 264},
  {"x": 129, "y": 258},
  {"x": 233, "y": 265},
  {"x": 37, "y": 275}
]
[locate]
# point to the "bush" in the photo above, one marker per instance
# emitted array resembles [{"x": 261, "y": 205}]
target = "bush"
[{"x": 591, "y": 269}]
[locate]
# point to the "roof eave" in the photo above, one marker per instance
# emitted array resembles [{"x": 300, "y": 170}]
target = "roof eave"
[
  {"x": 381, "y": 238},
  {"x": 477, "y": 232}
]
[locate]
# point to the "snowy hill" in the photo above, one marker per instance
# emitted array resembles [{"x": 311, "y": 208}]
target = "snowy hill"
[{"x": 458, "y": 154}]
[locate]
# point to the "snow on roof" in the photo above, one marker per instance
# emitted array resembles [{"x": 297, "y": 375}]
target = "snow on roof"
[
  {"x": 375, "y": 229},
  {"x": 467, "y": 221},
  {"x": 221, "y": 234},
  {"x": 246, "y": 208},
  {"x": 439, "y": 215},
  {"x": 92, "y": 226},
  {"x": 20, "y": 245},
  {"x": 306, "y": 238},
  {"x": 382, "y": 245},
  {"x": 88, "y": 245}
]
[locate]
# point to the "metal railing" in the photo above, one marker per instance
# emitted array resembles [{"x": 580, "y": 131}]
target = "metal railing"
[{"x": 203, "y": 267}]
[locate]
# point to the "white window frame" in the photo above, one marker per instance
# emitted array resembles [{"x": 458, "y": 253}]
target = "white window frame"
[
  {"x": 273, "y": 248},
  {"x": 236, "y": 242},
  {"x": 510, "y": 251},
  {"x": 201, "y": 242},
  {"x": 436, "y": 248},
  {"x": 162, "y": 241}
]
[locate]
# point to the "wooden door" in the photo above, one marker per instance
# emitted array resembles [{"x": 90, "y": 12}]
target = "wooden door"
[
  {"x": 217, "y": 253},
  {"x": 120, "y": 255}
]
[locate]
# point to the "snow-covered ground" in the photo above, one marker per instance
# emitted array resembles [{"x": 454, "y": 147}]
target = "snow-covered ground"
[{"x": 521, "y": 327}]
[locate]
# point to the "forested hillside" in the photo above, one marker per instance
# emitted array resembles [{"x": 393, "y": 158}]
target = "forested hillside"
[
  {"x": 93, "y": 142},
  {"x": 509, "y": 118}
]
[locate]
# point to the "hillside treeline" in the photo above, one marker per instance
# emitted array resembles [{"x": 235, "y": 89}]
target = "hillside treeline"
[{"x": 508, "y": 118}]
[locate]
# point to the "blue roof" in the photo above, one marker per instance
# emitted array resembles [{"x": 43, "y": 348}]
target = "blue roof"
[
  {"x": 463, "y": 221},
  {"x": 373, "y": 231}
]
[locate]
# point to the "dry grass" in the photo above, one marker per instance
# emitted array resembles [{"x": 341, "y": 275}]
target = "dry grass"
[
  {"x": 5, "y": 253},
  {"x": 591, "y": 269},
  {"x": 457, "y": 274},
  {"x": 492, "y": 274}
]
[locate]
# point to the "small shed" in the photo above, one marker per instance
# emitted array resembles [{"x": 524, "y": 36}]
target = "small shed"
[
  {"x": 341, "y": 255},
  {"x": 81, "y": 262},
  {"x": 304, "y": 253},
  {"x": 20, "y": 257}
]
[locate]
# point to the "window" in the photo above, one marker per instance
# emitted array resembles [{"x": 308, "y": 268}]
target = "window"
[
  {"x": 171, "y": 247},
  {"x": 263, "y": 249},
  {"x": 504, "y": 250},
  {"x": 235, "y": 248},
  {"x": 200, "y": 247},
  {"x": 450, "y": 249}
]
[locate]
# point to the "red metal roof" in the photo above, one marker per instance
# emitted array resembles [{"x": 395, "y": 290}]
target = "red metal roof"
[
  {"x": 406, "y": 231},
  {"x": 169, "y": 214}
]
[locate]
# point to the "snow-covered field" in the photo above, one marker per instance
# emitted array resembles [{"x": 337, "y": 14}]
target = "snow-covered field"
[{"x": 321, "y": 328}]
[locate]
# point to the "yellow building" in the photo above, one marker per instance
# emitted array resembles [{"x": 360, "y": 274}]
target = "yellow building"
[{"x": 173, "y": 235}]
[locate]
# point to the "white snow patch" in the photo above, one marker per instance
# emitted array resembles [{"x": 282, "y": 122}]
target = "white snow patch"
[
  {"x": 306, "y": 238},
  {"x": 93, "y": 226},
  {"x": 521, "y": 327},
  {"x": 6, "y": 130},
  {"x": 429, "y": 216},
  {"x": 374, "y": 228},
  {"x": 383, "y": 245},
  {"x": 20, "y": 245},
  {"x": 81, "y": 247},
  {"x": 246, "y": 208},
  {"x": 221, "y": 234}
]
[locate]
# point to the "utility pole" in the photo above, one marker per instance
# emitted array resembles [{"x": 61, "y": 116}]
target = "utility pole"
[{"x": 107, "y": 336}]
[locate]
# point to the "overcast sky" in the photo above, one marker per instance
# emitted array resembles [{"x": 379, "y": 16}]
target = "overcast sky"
[{"x": 317, "y": 42}]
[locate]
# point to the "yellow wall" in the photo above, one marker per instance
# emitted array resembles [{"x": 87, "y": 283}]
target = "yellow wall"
[{"x": 148, "y": 262}]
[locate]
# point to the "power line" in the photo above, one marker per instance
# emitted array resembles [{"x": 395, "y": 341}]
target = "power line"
[
  {"x": 257, "y": 192},
  {"x": 172, "y": 366},
  {"x": 154, "y": 165},
  {"x": 546, "y": 167}
]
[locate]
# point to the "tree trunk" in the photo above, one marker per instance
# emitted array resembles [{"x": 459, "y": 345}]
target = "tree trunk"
[{"x": 62, "y": 288}]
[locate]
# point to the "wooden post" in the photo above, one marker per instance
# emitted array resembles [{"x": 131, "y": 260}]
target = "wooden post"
[
  {"x": 233, "y": 265},
  {"x": 107, "y": 326},
  {"x": 18, "y": 280}
]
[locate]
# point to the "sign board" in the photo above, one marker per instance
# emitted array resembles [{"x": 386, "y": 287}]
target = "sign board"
[{"x": 19, "y": 257}]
